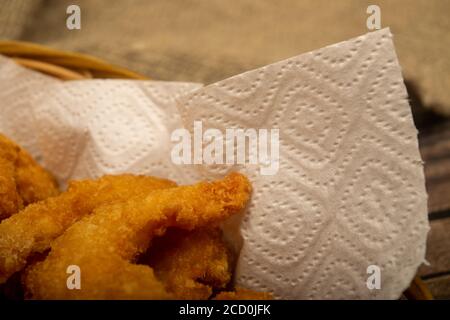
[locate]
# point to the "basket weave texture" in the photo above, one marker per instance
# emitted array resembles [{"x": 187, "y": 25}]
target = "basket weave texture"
[{"x": 61, "y": 64}]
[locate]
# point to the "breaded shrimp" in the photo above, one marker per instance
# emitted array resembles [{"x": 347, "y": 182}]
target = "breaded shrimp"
[
  {"x": 105, "y": 244},
  {"x": 33, "y": 182},
  {"x": 22, "y": 179},
  {"x": 33, "y": 229},
  {"x": 10, "y": 200},
  {"x": 191, "y": 264}
]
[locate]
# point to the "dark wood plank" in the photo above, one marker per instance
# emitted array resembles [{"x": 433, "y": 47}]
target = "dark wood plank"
[
  {"x": 438, "y": 248},
  {"x": 438, "y": 196},
  {"x": 434, "y": 142}
]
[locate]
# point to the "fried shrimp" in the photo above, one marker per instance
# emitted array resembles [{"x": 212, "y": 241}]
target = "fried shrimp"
[
  {"x": 33, "y": 182},
  {"x": 191, "y": 264},
  {"x": 10, "y": 200},
  {"x": 33, "y": 229},
  {"x": 22, "y": 180},
  {"x": 105, "y": 244}
]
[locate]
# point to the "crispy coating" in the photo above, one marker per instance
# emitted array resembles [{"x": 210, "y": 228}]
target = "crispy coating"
[
  {"x": 105, "y": 243},
  {"x": 243, "y": 294},
  {"x": 10, "y": 200},
  {"x": 191, "y": 264},
  {"x": 33, "y": 229},
  {"x": 22, "y": 180},
  {"x": 33, "y": 182}
]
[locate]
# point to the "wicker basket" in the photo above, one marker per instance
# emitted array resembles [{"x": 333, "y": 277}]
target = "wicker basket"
[
  {"x": 75, "y": 66},
  {"x": 61, "y": 64}
]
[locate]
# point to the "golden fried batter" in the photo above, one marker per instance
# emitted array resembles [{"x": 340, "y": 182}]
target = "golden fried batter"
[
  {"x": 191, "y": 264},
  {"x": 22, "y": 180},
  {"x": 243, "y": 294},
  {"x": 105, "y": 243},
  {"x": 33, "y": 182},
  {"x": 10, "y": 200},
  {"x": 33, "y": 229}
]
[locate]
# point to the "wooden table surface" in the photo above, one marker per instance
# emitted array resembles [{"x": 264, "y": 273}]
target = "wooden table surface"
[{"x": 434, "y": 142}]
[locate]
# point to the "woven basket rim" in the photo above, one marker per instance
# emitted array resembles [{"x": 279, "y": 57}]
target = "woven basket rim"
[{"x": 62, "y": 64}]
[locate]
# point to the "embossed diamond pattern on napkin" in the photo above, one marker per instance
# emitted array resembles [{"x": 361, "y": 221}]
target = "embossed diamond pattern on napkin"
[{"x": 350, "y": 189}]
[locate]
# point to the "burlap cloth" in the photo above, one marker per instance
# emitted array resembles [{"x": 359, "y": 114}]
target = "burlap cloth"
[{"x": 199, "y": 40}]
